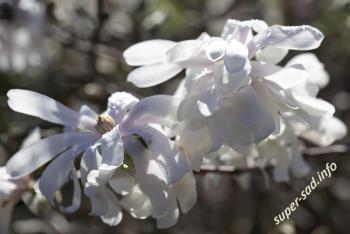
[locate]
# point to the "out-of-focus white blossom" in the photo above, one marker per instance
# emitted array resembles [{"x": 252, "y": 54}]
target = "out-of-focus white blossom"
[
  {"x": 11, "y": 189},
  {"x": 21, "y": 41}
]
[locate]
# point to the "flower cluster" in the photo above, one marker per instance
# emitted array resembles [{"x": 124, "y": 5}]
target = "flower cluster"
[{"x": 235, "y": 105}]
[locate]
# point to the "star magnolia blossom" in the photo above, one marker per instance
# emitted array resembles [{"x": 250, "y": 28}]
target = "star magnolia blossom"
[
  {"x": 283, "y": 149},
  {"x": 159, "y": 166},
  {"x": 232, "y": 80}
]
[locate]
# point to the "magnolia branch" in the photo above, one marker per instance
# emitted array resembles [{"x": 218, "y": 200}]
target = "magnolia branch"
[{"x": 308, "y": 152}]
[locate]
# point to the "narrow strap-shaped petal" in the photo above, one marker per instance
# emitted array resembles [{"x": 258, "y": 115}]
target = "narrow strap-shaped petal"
[
  {"x": 281, "y": 170},
  {"x": 302, "y": 37},
  {"x": 30, "y": 158},
  {"x": 285, "y": 77},
  {"x": 76, "y": 200},
  {"x": 242, "y": 30},
  {"x": 104, "y": 204},
  {"x": 159, "y": 109},
  {"x": 316, "y": 73},
  {"x": 150, "y": 176},
  {"x": 271, "y": 54},
  {"x": 147, "y": 52},
  {"x": 35, "y": 104},
  {"x": 171, "y": 217},
  {"x": 89, "y": 161},
  {"x": 114, "y": 213},
  {"x": 165, "y": 152},
  {"x": 137, "y": 203},
  {"x": 183, "y": 51},
  {"x": 112, "y": 149},
  {"x": 236, "y": 58},
  {"x": 122, "y": 182},
  {"x": 215, "y": 50},
  {"x": 57, "y": 172},
  {"x": 314, "y": 106},
  {"x": 152, "y": 75},
  {"x": 33, "y": 137},
  {"x": 186, "y": 192}
]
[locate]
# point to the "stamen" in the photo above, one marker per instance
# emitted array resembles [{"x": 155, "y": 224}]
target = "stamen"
[{"x": 104, "y": 124}]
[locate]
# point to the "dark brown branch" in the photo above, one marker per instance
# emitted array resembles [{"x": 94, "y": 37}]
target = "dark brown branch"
[{"x": 308, "y": 152}]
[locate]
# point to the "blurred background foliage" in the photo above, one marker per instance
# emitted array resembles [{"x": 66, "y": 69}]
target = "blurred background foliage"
[{"x": 71, "y": 50}]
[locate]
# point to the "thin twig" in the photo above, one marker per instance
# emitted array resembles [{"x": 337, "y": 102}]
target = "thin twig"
[{"x": 308, "y": 152}]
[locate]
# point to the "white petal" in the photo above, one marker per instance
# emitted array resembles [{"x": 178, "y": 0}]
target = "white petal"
[
  {"x": 169, "y": 159},
  {"x": 89, "y": 161},
  {"x": 112, "y": 149},
  {"x": 137, "y": 203},
  {"x": 6, "y": 189},
  {"x": 284, "y": 77},
  {"x": 30, "y": 158},
  {"x": 114, "y": 214},
  {"x": 33, "y": 137},
  {"x": 242, "y": 30},
  {"x": 314, "y": 106},
  {"x": 295, "y": 37},
  {"x": 87, "y": 118},
  {"x": 35, "y": 104},
  {"x": 215, "y": 50},
  {"x": 74, "y": 206},
  {"x": 98, "y": 198},
  {"x": 236, "y": 57},
  {"x": 57, "y": 172},
  {"x": 281, "y": 171},
  {"x": 119, "y": 103},
  {"x": 183, "y": 51},
  {"x": 186, "y": 192},
  {"x": 203, "y": 108},
  {"x": 151, "y": 177},
  {"x": 316, "y": 73},
  {"x": 298, "y": 165},
  {"x": 122, "y": 182},
  {"x": 333, "y": 128},
  {"x": 252, "y": 120},
  {"x": 152, "y": 75},
  {"x": 287, "y": 77},
  {"x": 328, "y": 130},
  {"x": 147, "y": 52},
  {"x": 171, "y": 217},
  {"x": 160, "y": 109},
  {"x": 271, "y": 54}
]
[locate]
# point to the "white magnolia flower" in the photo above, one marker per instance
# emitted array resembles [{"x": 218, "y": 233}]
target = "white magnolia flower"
[
  {"x": 284, "y": 149},
  {"x": 322, "y": 129},
  {"x": 157, "y": 163},
  {"x": 143, "y": 189},
  {"x": 101, "y": 138},
  {"x": 224, "y": 86},
  {"x": 163, "y": 59}
]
